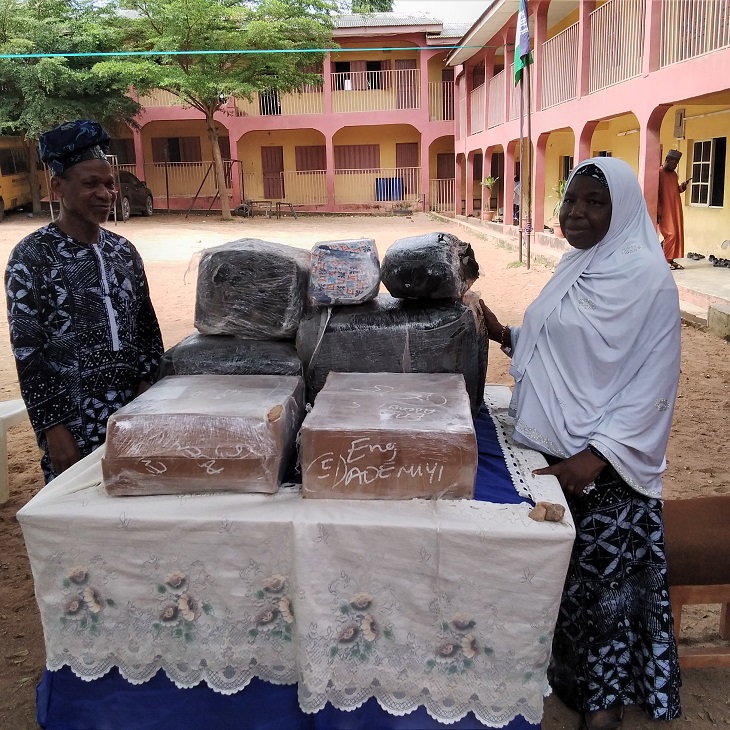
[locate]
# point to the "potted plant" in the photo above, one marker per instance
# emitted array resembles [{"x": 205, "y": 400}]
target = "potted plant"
[
  {"x": 489, "y": 182},
  {"x": 560, "y": 190}
]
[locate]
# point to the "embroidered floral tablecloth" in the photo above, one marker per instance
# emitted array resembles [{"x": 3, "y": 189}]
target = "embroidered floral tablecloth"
[{"x": 446, "y": 604}]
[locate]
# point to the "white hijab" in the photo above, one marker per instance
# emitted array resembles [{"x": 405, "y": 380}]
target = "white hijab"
[{"x": 597, "y": 359}]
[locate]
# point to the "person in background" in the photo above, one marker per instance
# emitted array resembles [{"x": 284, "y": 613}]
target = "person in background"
[
  {"x": 516, "y": 201},
  {"x": 670, "y": 216},
  {"x": 82, "y": 327},
  {"x": 596, "y": 368}
]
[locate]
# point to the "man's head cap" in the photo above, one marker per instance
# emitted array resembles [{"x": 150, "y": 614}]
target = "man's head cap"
[
  {"x": 73, "y": 142},
  {"x": 674, "y": 155}
]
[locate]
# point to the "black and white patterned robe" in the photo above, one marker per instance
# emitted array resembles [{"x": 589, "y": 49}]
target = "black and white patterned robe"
[{"x": 82, "y": 329}]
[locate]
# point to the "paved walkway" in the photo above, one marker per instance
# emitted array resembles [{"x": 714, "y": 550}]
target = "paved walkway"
[{"x": 700, "y": 284}]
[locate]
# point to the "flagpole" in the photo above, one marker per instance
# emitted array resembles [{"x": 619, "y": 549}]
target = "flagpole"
[
  {"x": 522, "y": 166},
  {"x": 528, "y": 227}
]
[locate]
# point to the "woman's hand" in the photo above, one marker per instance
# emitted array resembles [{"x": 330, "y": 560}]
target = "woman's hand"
[
  {"x": 62, "y": 448},
  {"x": 494, "y": 327},
  {"x": 575, "y": 473}
]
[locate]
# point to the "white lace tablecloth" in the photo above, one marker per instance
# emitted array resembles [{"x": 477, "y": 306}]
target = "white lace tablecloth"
[{"x": 446, "y": 604}]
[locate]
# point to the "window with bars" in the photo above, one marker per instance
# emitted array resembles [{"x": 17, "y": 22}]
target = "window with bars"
[{"x": 708, "y": 172}]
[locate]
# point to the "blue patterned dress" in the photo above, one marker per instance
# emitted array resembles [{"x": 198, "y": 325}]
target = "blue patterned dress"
[{"x": 83, "y": 332}]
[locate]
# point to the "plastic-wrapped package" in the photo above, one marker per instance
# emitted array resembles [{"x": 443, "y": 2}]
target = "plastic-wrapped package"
[
  {"x": 251, "y": 288},
  {"x": 204, "y": 433},
  {"x": 344, "y": 272},
  {"x": 396, "y": 336},
  {"x": 430, "y": 266},
  {"x": 227, "y": 355},
  {"x": 389, "y": 436}
]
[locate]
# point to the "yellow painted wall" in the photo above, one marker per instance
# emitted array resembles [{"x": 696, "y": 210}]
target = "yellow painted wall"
[
  {"x": 705, "y": 228},
  {"x": 620, "y": 137},
  {"x": 385, "y": 136},
  {"x": 440, "y": 146},
  {"x": 560, "y": 26},
  {"x": 560, "y": 144},
  {"x": 179, "y": 128},
  {"x": 435, "y": 65}
]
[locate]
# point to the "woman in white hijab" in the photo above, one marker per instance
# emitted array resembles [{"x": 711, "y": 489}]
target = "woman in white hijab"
[{"x": 596, "y": 366}]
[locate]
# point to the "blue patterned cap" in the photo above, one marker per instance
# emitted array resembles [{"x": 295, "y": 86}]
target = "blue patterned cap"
[{"x": 71, "y": 143}]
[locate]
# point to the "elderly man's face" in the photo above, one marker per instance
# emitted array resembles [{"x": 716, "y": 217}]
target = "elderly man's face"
[
  {"x": 86, "y": 191},
  {"x": 670, "y": 163}
]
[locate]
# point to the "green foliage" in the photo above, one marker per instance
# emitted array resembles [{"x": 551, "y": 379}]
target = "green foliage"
[
  {"x": 38, "y": 93},
  {"x": 560, "y": 190},
  {"x": 372, "y": 6}
]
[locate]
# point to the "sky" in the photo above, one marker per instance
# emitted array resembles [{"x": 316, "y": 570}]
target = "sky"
[{"x": 455, "y": 11}]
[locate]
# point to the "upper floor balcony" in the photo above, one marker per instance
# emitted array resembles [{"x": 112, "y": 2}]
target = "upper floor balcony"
[
  {"x": 367, "y": 91},
  {"x": 614, "y": 49}
]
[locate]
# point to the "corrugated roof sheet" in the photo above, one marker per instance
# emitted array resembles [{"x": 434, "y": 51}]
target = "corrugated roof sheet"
[
  {"x": 376, "y": 20},
  {"x": 452, "y": 30}
]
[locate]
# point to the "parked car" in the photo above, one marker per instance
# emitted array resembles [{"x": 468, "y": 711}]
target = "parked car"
[{"x": 133, "y": 197}]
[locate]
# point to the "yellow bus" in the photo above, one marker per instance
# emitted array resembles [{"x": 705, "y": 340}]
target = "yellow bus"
[{"x": 14, "y": 179}]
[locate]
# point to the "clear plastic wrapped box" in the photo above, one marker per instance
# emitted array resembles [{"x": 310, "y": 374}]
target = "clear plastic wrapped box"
[
  {"x": 344, "y": 272},
  {"x": 204, "y": 433},
  {"x": 389, "y": 436}
]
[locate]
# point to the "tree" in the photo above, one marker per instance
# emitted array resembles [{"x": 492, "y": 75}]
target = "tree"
[
  {"x": 372, "y": 6},
  {"x": 39, "y": 93},
  {"x": 222, "y": 27}
]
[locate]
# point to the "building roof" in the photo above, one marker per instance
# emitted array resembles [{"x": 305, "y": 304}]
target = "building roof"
[
  {"x": 453, "y": 30},
  {"x": 379, "y": 20}
]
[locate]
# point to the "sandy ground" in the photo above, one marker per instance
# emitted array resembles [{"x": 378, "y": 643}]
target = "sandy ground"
[{"x": 698, "y": 449}]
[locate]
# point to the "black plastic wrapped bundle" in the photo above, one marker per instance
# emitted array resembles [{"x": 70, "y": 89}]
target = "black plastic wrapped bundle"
[
  {"x": 430, "y": 266},
  {"x": 227, "y": 355},
  {"x": 390, "y": 335},
  {"x": 251, "y": 288}
]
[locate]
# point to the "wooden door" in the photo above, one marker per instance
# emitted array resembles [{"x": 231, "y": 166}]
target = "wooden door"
[
  {"x": 406, "y": 93},
  {"x": 406, "y": 160},
  {"x": 447, "y": 103},
  {"x": 272, "y": 166}
]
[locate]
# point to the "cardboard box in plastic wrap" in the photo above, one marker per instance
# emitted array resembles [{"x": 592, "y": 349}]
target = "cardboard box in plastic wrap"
[
  {"x": 389, "y": 436},
  {"x": 227, "y": 355},
  {"x": 251, "y": 288},
  {"x": 397, "y": 336},
  {"x": 204, "y": 433}
]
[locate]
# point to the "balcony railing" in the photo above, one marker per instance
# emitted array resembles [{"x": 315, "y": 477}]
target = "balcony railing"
[
  {"x": 158, "y": 97},
  {"x": 691, "y": 28},
  {"x": 308, "y": 99},
  {"x": 476, "y": 123},
  {"x": 383, "y": 185},
  {"x": 366, "y": 91},
  {"x": 180, "y": 179},
  {"x": 441, "y": 195},
  {"x": 560, "y": 67},
  {"x": 440, "y": 101},
  {"x": 462, "y": 118},
  {"x": 617, "y": 42},
  {"x": 495, "y": 113},
  {"x": 306, "y": 187},
  {"x": 515, "y": 91}
]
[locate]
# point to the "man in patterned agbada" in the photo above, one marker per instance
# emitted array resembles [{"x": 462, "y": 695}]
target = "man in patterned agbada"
[{"x": 83, "y": 330}]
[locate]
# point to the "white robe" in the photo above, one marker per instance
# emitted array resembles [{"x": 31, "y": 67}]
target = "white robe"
[{"x": 597, "y": 358}]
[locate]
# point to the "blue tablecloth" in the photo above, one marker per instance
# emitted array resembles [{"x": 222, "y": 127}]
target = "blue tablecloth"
[{"x": 66, "y": 702}]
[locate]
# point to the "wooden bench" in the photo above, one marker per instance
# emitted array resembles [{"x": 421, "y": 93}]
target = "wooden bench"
[
  {"x": 12, "y": 413},
  {"x": 697, "y": 533}
]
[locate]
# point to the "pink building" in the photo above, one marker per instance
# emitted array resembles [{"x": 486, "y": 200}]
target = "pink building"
[
  {"x": 377, "y": 133},
  {"x": 628, "y": 78}
]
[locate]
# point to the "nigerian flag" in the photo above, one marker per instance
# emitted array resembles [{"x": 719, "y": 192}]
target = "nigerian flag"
[{"x": 523, "y": 57}]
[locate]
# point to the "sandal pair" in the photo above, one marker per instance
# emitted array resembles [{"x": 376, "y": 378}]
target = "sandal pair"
[{"x": 674, "y": 266}]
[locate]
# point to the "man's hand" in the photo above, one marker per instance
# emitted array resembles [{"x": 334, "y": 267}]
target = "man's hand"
[
  {"x": 62, "y": 448},
  {"x": 575, "y": 473}
]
